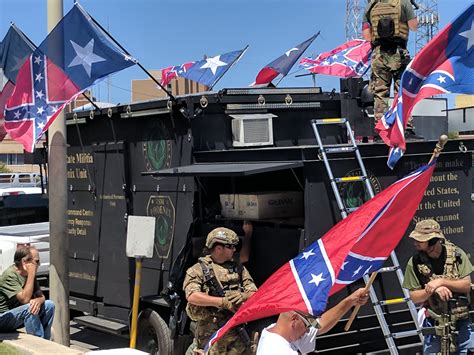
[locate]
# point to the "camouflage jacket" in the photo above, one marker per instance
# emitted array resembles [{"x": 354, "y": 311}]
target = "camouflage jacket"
[{"x": 228, "y": 276}]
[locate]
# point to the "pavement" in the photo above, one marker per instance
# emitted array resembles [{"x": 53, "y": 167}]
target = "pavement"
[{"x": 83, "y": 341}]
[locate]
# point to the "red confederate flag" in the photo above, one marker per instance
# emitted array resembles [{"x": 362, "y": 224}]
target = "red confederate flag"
[{"x": 356, "y": 246}]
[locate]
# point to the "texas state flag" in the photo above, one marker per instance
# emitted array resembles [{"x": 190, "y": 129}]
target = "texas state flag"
[
  {"x": 356, "y": 246},
  {"x": 444, "y": 65},
  {"x": 75, "y": 55},
  {"x": 283, "y": 63}
]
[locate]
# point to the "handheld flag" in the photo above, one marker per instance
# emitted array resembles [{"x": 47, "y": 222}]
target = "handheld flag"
[
  {"x": 210, "y": 70},
  {"x": 75, "y": 55},
  {"x": 356, "y": 246},
  {"x": 351, "y": 59},
  {"x": 283, "y": 63},
  {"x": 170, "y": 73},
  {"x": 444, "y": 65},
  {"x": 14, "y": 51}
]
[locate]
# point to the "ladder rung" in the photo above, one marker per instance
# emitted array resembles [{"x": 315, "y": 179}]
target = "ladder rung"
[
  {"x": 392, "y": 301},
  {"x": 350, "y": 179},
  {"x": 340, "y": 149},
  {"x": 405, "y": 334},
  {"x": 388, "y": 269},
  {"x": 330, "y": 121}
]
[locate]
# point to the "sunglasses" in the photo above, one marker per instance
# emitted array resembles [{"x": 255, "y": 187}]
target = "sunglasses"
[
  {"x": 229, "y": 246},
  {"x": 306, "y": 322}
]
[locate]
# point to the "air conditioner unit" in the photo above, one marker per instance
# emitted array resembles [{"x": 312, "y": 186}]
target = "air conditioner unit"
[{"x": 250, "y": 130}]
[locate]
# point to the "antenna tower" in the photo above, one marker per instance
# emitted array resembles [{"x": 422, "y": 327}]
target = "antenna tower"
[
  {"x": 428, "y": 22},
  {"x": 354, "y": 14}
]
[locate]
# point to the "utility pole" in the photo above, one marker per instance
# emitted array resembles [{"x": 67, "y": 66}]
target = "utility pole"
[{"x": 58, "y": 242}]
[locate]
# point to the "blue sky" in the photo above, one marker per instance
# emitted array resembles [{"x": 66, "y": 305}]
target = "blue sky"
[{"x": 161, "y": 33}]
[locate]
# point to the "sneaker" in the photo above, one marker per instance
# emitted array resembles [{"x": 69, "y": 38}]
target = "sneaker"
[{"x": 410, "y": 135}]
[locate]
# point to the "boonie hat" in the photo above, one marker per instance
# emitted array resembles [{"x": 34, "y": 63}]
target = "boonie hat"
[
  {"x": 221, "y": 235},
  {"x": 425, "y": 230}
]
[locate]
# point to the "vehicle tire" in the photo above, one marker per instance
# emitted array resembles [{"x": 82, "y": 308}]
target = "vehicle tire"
[{"x": 153, "y": 334}]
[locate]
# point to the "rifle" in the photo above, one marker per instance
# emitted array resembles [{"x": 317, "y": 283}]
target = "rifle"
[
  {"x": 445, "y": 327},
  {"x": 216, "y": 290}
]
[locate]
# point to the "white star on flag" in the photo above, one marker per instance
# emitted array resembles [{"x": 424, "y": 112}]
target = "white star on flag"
[
  {"x": 213, "y": 63},
  {"x": 85, "y": 56},
  {"x": 38, "y": 60},
  {"x": 39, "y": 94},
  {"x": 307, "y": 254},
  {"x": 39, "y": 77},
  {"x": 344, "y": 264},
  {"x": 41, "y": 125},
  {"x": 291, "y": 50},
  {"x": 40, "y": 111},
  {"x": 316, "y": 279},
  {"x": 357, "y": 271},
  {"x": 441, "y": 79},
  {"x": 16, "y": 114},
  {"x": 469, "y": 34}
]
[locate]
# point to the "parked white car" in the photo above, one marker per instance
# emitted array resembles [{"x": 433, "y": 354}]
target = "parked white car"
[{"x": 36, "y": 234}]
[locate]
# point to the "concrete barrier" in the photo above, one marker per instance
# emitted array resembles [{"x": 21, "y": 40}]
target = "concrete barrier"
[{"x": 31, "y": 345}]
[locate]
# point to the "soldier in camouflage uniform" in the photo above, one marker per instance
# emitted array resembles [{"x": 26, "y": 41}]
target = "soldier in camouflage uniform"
[
  {"x": 389, "y": 43},
  {"x": 215, "y": 287},
  {"x": 438, "y": 272}
]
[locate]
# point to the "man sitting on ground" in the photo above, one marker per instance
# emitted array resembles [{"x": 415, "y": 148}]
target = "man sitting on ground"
[{"x": 21, "y": 301}]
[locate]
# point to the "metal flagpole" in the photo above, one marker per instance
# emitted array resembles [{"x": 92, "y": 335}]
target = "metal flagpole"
[
  {"x": 58, "y": 241},
  {"x": 127, "y": 53},
  {"x": 230, "y": 66}
]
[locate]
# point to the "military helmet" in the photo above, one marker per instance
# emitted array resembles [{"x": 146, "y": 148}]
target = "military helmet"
[
  {"x": 425, "y": 230},
  {"x": 221, "y": 235}
]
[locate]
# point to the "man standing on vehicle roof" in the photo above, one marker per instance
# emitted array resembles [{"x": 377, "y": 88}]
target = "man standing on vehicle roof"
[
  {"x": 386, "y": 24},
  {"x": 215, "y": 287},
  {"x": 439, "y": 272},
  {"x": 21, "y": 299}
]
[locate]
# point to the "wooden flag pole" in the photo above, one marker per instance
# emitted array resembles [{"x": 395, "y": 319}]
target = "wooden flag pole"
[{"x": 436, "y": 152}]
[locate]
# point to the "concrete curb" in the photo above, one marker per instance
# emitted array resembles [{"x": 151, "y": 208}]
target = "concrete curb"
[{"x": 32, "y": 345}]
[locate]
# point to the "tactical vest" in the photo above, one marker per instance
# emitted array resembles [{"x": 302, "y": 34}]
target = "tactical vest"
[
  {"x": 424, "y": 271},
  {"x": 229, "y": 277},
  {"x": 385, "y": 22}
]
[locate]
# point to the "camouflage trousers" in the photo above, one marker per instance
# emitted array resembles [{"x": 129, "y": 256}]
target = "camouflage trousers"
[
  {"x": 230, "y": 344},
  {"x": 387, "y": 66}
]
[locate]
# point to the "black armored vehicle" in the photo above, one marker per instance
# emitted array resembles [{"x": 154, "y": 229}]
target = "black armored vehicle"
[{"x": 186, "y": 161}]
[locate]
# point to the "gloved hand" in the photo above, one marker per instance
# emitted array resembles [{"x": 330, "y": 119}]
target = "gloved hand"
[{"x": 232, "y": 300}]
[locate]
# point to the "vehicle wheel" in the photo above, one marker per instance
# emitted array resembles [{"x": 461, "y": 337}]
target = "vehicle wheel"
[{"x": 153, "y": 335}]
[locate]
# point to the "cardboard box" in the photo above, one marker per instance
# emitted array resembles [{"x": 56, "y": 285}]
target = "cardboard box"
[{"x": 262, "y": 205}]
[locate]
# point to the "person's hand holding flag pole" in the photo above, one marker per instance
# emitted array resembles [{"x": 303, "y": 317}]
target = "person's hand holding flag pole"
[{"x": 437, "y": 151}]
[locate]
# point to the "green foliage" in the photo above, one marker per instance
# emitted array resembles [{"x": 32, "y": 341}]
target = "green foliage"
[
  {"x": 3, "y": 168},
  {"x": 6, "y": 349}
]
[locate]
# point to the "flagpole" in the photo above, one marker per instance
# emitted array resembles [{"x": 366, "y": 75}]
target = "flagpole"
[
  {"x": 57, "y": 192},
  {"x": 436, "y": 152},
  {"x": 24, "y": 36},
  {"x": 315, "y": 36},
  {"x": 134, "y": 59},
  {"x": 230, "y": 66}
]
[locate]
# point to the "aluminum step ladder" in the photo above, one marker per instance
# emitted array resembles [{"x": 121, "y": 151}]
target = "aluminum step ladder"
[{"x": 350, "y": 147}]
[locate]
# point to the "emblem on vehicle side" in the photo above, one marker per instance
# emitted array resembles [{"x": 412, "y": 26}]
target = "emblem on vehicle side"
[
  {"x": 163, "y": 209},
  {"x": 157, "y": 149},
  {"x": 354, "y": 194}
]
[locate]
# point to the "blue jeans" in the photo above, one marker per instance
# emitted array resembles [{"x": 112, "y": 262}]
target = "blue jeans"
[
  {"x": 432, "y": 343},
  {"x": 36, "y": 324}
]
